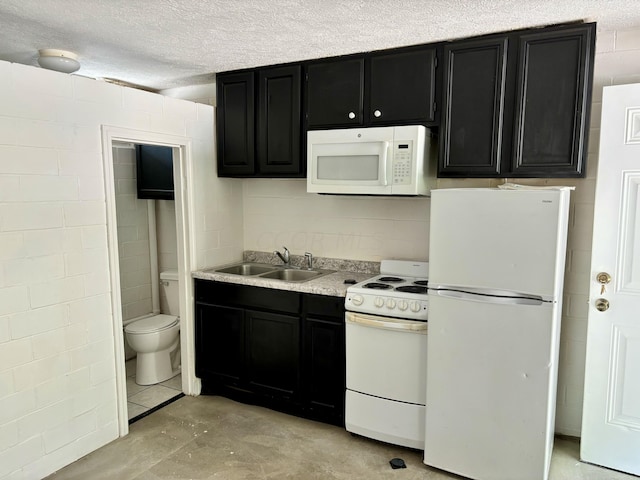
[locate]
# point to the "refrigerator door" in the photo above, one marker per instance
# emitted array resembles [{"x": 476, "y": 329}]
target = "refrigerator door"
[
  {"x": 511, "y": 240},
  {"x": 491, "y": 376}
]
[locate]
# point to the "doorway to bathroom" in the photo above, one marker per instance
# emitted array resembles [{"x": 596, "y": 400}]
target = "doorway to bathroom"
[
  {"x": 150, "y": 245},
  {"x": 148, "y": 264}
]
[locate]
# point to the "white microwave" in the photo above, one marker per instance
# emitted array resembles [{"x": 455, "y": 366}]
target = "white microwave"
[{"x": 371, "y": 161}]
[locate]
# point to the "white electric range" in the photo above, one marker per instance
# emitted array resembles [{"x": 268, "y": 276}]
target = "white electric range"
[{"x": 386, "y": 350}]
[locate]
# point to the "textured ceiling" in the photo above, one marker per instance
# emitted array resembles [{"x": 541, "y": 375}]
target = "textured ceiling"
[{"x": 168, "y": 43}]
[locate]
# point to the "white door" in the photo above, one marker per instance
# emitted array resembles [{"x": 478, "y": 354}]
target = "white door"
[{"x": 611, "y": 417}]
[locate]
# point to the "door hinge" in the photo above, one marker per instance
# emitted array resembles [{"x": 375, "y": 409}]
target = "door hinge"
[{"x": 435, "y": 106}]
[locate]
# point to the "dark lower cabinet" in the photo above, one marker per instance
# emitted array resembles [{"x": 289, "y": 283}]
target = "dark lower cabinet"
[
  {"x": 220, "y": 343},
  {"x": 324, "y": 358},
  {"x": 272, "y": 358},
  {"x": 276, "y": 348}
]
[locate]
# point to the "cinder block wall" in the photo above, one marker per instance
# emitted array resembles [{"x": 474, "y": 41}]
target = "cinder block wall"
[{"x": 57, "y": 363}]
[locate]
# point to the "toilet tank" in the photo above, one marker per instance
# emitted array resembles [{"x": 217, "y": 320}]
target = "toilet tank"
[{"x": 169, "y": 298}]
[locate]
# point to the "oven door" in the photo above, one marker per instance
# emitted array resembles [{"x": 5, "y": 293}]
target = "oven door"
[
  {"x": 386, "y": 378},
  {"x": 387, "y": 357}
]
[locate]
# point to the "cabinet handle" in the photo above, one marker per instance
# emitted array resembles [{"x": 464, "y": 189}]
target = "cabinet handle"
[
  {"x": 377, "y": 113},
  {"x": 352, "y": 115}
]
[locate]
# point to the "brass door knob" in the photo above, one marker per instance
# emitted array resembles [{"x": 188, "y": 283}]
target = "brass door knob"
[{"x": 602, "y": 305}]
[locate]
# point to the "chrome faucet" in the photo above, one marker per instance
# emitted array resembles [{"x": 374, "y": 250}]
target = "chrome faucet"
[
  {"x": 284, "y": 256},
  {"x": 309, "y": 258}
]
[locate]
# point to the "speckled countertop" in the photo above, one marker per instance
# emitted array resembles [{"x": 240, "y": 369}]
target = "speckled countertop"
[{"x": 332, "y": 284}]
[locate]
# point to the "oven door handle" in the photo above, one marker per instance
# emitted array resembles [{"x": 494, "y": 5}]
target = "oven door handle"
[{"x": 386, "y": 323}]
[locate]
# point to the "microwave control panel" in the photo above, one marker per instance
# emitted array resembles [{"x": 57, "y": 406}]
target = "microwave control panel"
[{"x": 402, "y": 154}]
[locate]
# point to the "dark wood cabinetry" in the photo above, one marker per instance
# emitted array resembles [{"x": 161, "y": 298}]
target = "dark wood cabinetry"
[
  {"x": 235, "y": 124},
  {"x": 260, "y": 139},
  {"x": 517, "y": 105},
  {"x": 154, "y": 172},
  {"x": 552, "y": 103},
  {"x": 377, "y": 89},
  {"x": 276, "y": 348},
  {"x": 323, "y": 363}
]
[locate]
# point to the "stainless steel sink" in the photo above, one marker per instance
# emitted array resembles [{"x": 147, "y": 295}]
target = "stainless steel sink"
[
  {"x": 273, "y": 272},
  {"x": 295, "y": 275},
  {"x": 246, "y": 269}
]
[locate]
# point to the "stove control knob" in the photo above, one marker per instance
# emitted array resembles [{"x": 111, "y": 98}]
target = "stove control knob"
[
  {"x": 391, "y": 304},
  {"x": 357, "y": 300},
  {"x": 415, "y": 306},
  {"x": 403, "y": 305},
  {"x": 379, "y": 302}
]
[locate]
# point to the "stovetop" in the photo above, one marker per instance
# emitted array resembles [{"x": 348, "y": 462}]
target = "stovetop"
[{"x": 399, "y": 291}]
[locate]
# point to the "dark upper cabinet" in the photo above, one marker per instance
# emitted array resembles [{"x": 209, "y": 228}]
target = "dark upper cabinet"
[
  {"x": 471, "y": 129},
  {"x": 517, "y": 104},
  {"x": 259, "y": 123},
  {"x": 401, "y": 87},
  {"x": 390, "y": 88},
  {"x": 235, "y": 124},
  {"x": 279, "y": 121},
  {"x": 154, "y": 172},
  {"x": 335, "y": 91},
  {"x": 553, "y": 102}
]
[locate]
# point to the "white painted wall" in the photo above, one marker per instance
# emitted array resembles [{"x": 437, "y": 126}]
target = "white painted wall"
[
  {"x": 133, "y": 236},
  {"x": 57, "y": 360},
  {"x": 280, "y": 212}
]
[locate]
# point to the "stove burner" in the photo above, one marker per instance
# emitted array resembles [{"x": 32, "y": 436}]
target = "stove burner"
[
  {"x": 390, "y": 279},
  {"x": 377, "y": 286},
  {"x": 412, "y": 289},
  {"x": 422, "y": 283}
]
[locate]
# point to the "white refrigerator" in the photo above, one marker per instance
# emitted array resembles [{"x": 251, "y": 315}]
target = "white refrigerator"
[{"x": 497, "y": 260}]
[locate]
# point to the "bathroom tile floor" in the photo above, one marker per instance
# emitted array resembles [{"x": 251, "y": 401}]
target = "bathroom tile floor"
[{"x": 142, "y": 398}]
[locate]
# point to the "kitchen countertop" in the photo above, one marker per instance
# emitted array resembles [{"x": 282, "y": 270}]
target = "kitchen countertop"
[{"x": 332, "y": 284}]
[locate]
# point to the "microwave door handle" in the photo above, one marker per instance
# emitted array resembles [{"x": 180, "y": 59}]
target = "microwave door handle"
[{"x": 384, "y": 172}]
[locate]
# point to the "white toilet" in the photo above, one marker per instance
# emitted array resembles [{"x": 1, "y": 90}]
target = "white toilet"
[{"x": 156, "y": 338}]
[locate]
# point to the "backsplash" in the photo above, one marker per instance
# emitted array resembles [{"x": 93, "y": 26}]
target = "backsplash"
[{"x": 339, "y": 264}]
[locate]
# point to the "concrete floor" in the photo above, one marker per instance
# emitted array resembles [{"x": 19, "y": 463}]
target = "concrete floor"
[{"x": 215, "y": 438}]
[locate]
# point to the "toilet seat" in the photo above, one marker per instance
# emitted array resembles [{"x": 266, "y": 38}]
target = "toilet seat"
[{"x": 155, "y": 323}]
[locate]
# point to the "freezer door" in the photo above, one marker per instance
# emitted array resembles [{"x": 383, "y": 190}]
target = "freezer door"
[
  {"x": 499, "y": 239},
  {"x": 491, "y": 376}
]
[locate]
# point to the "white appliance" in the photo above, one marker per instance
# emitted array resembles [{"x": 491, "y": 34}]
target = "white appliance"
[
  {"x": 495, "y": 300},
  {"x": 386, "y": 350},
  {"x": 371, "y": 161}
]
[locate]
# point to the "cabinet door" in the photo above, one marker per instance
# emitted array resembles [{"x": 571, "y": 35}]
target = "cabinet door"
[
  {"x": 401, "y": 87},
  {"x": 335, "y": 93},
  {"x": 154, "y": 172},
  {"x": 235, "y": 124},
  {"x": 552, "y": 102},
  {"x": 471, "y": 132},
  {"x": 219, "y": 337},
  {"x": 272, "y": 346},
  {"x": 324, "y": 368},
  {"x": 279, "y": 121}
]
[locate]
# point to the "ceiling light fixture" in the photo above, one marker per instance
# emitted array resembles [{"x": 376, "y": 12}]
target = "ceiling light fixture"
[{"x": 58, "y": 60}]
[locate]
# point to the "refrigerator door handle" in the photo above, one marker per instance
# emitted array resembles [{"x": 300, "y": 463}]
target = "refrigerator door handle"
[{"x": 487, "y": 297}]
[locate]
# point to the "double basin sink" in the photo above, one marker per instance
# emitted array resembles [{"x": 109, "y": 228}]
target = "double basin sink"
[{"x": 273, "y": 272}]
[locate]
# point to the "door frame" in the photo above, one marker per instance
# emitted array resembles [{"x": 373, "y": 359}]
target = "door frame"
[{"x": 184, "y": 198}]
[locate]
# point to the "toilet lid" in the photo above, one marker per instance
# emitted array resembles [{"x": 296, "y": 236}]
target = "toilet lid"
[{"x": 152, "y": 324}]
